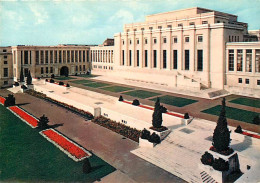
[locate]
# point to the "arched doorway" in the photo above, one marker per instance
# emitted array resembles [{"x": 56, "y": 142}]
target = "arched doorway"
[{"x": 64, "y": 71}]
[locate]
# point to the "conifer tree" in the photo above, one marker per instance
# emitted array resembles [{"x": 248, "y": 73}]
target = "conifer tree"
[
  {"x": 157, "y": 115},
  {"x": 221, "y": 136},
  {"x": 29, "y": 78},
  {"x": 21, "y": 75}
]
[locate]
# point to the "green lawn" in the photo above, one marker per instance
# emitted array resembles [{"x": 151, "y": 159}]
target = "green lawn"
[
  {"x": 87, "y": 76},
  {"x": 25, "y": 156},
  {"x": 233, "y": 113},
  {"x": 64, "y": 78},
  {"x": 141, "y": 94},
  {"x": 247, "y": 102},
  {"x": 116, "y": 88},
  {"x": 175, "y": 101},
  {"x": 82, "y": 81},
  {"x": 96, "y": 84}
]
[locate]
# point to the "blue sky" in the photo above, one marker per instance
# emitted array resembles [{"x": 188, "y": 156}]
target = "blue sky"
[{"x": 92, "y": 21}]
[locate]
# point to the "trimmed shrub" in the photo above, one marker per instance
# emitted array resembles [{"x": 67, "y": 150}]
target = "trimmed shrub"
[
  {"x": 256, "y": 120},
  {"x": 121, "y": 98},
  {"x": 21, "y": 75},
  {"x": 43, "y": 122},
  {"x": 24, "y": 87},
  {"x": 51, "y": 81},
  {"x": 154, "y": 138},
  {"x": 163, "y": 109},
  {"x": 157, "y": 115},
  {"x": 186, "y": 116},
  {"x": 46, "y": 80},
  {"x": 239, "y": 129},
  {"x": 207, "y": 159},
  {"x": 86, "y": 166},
  {"x": 38, "y": 78},
  {"x": 61, "y": 83},
  {"x": 220, "y": 165},
  {"x": 29, "y": 78},
  {"x": 136, "y": 102},
  {"x": 88, "y": 73},
  {"x": 145, "y": 134},
  {"x": 52, "y": 76},
  {"x": 9, "y": 101},
  {"x": 67, "y": 85},
  {"x": 75, "y": 74},
  {"x": 16, "y": 84}
]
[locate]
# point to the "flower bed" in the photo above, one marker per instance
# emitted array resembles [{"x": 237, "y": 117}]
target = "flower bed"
[
  {"x": 2, "y": 100},
  {"x": 73, "y": 109},
  {"x": 251, "y": 135},
  {"x": 151, "y": 108},
  {"x": 29, "y": 119},
  {"x": 119, "y": 128},
  {"x": 74, "y": 151}
]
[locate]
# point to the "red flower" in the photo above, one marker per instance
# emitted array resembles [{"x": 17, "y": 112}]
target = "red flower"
[
  {"x": 2, "y": 100},
  {"x": 31, "y": 120}
]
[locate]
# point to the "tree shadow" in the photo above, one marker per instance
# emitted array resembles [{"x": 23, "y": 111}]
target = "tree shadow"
[
  {"x": 247, "y": 142},
  {"x": 21, "y": 104},
  {"x": 56, "y": 125},
  {"x": 173, "y": 127}
]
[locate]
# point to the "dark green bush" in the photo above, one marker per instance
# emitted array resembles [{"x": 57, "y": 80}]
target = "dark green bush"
[
  {"x": 136, "y": 102},
  {"x": 52, "y": 76},
  {"x": 9, "y": 101},
  {"x": 61, "y": 83},
  {"x": 186, "y": 116},
  {"x": 154, "y": 138},
  {"x": 239, "y": 129},
  {"x": 121, "y": 98},
  {"x": 145, "y": 134},
  {"x": 163, "y": 109},
  {"x": 51, "y": 81},
  {"x": 67, "y": 85},
  {"x": 207, "y": 159},
  {"x": 220, "y": 165}
]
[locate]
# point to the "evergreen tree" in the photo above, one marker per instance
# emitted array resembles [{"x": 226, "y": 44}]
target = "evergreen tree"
[
  {"x": 21, "y": 75},
  {"x": 43, "y": 122},
  {"x": 157, "y": 115},
  {"x": 29, "y": 78},
  {"x": 221, "y": 136}
]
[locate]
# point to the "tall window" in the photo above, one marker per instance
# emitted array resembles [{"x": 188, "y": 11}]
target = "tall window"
[
  {"x": 76, "y": 68},
  {"x": 137, "y": 57},
  {"x": 51, "y": 69},
  {"x": 187, "y": 39},
  {"x": 257, "y": 60},
  {"x": 5, "y": 72},
  {"x": 80, "y": 56},
  {"x": 130, "y": 57},
  {"x": 84, "y": 56},
  {"x": 187, "y": 59},
  {"x": 25, "y": 57},
  {"x": 123, "y": 57},
  {"x": 231, "y": 60},
  {"x": 59, "y": 56},
  {"x": 64, "y": 56},
  {"x": 47, "y": 70},
  {"x": 26, "y": 71},
  {"x": 154, "y": 58},
  {"x": 87, "y": 55},
  {"x": 200, "y": 60},
  {"x": 164, "y": 59},
  {"x": 248, "y": 60},
  {"x": 42, "y": 71},
  {"x": 51, "y": 56},
  {"x": 37, "y": 57},
  {"x": 164, "y": 40},
  {"x": 146, "y": 58},
  {"x": 200, "y": 38},
  {"x": 72, "y": 56},
  {"x": 175, "y": 59},
  {"x": 68, "y": 56},
  {"x": 76, "y": 56},
  {"x": 42, "y": 56},
  {"x": 21, "y": 57},
  {"x": 55, "y": 56},
  {"x": 239, "y": 60},
  {"x": 46, "y": 57}
]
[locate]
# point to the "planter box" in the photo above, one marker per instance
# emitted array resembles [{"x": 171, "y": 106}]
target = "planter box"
[
  {"x": 146, "y": 143},
  {"x": 162, "y": 134},
  {"x": 218, "y": 176},
  {"x": 186, "y": 121}
]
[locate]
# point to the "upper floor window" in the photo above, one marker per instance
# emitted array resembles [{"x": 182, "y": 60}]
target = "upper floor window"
[
  {"x": 204, "y": 22},
  {"x": 159, "y": 27},
  {"x": 5, "y": 62},
  {"x": 164, "y": 40},
  {"x": 169, "y": 26},
  {"x": 218, "y": 21},
  {"x": 5, "y": 72},
  {"x": 127, "y": 30},
  {"x": 179, "y": 25},
  {"x": 145, "y": 41},
  {"x": 4, "y": 50},
  {"x": 151, "y": 28},
  {"x": 5, "y": 56},
  {"x": 137, "y": 41},
  {"x": 123, "y": 42},
  {"x": 130, "y": 41},
  {"x": 135, "y": 29},
  {"x": 192, "y": 23},
  {"x": 200, "y": 38},
  {"x": 175, "y": 40},
  {"x": 154, "y": 41},
  {"x": 187, "y": 39},
  {"x": 142, "y": 29}
]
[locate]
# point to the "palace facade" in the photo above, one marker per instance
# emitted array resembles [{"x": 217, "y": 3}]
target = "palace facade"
[{"x": 193, "y": 48}]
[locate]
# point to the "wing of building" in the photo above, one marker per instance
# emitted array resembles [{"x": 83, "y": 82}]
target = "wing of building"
[{"x": 193, "y": 48}]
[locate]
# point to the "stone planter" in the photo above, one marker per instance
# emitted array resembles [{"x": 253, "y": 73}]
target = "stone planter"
[
  {"x": 146, "y": 143},
  {"x": 162, "y": 134},
  {"x": 30, "y": 86},
  {"x": 218, "y": 176},
  {"x": 186, "y": 121}
]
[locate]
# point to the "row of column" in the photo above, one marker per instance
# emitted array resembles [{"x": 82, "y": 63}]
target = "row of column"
[{"x": 105, "y": 56}]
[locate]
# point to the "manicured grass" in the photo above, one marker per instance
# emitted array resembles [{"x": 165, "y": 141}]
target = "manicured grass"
[
  {"x": 87, "y": 76},
  {"x": 233, "y": 113},
  {"x": 96, "y": 84},
  {"x": 141, "y": 94},
  {"x": 247, "y": 102},
  {"x": 64, "y": 78},
  {"x": 82, "y": 81},
  {"x": 26, "y": 156},
  {"x": 175, "y": 101},
  {"x": 116, "y": 88}
]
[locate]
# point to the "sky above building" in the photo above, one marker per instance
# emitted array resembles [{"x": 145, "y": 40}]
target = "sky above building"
[{"x": 92, "y": 21}]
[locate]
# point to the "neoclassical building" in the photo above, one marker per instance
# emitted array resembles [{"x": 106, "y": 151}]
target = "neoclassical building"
[{"x": 194, "y": 48}]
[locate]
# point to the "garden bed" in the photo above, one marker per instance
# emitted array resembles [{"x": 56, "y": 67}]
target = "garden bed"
[
  {"x": 29, "y": 119},
  {"x": 119, "y": 128},
  {"x": 73, "y": 150},
  {"x": 73, "y": 109}
]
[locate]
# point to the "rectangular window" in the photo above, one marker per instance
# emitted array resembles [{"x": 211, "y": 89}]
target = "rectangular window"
[
  {"x": 84, "y": 68},
  {"x": 187, "y": 39},
  {"x": 130, "y": 57},
  {"x": 51, "y": 56},
  {"x": 51, "y": 69},
  {"x": 5, "y": 56},
  {"x": 25, "y": 57},
  {"x": 5, "y": 82},
  {"x": 80, "y": 59},
  {"x": 84, "y": 55},
  {"x": 64, "y": 56},
  {"x": 37, "y": 57},
  {"x": 154, "y": 58},
  {"x": 72, "y": 56},
  {"x": 192, "y": 23},
  {"x": 137, "y": 57},
  {"x": 151, "y": 28},
  {"x": 76, "y": 68},
  {"x": 240, "y": 80},
  {"x": 239, "y": 60},
  {"x": 5, "y": 62},
  {"x": 247, "y": 81},
  {"x": 175, "y": 59},
  {"x": 137, "y": 41},
  {"x": 175, "y": 40},
  {"x": 5, "y": 72},
  {"x": 80, "y": 68},
  {"x": 60, "y": 56},
  {"x": 257, "y": 60},
  {"x": 76, "y": 56},
  {"x": 169, "y": 26},
  {"x": 159, "y": 27},
  {"x": 42, "y": 71},
  {"x": 42, "y": 57},
  {"x": 200, "y": 39},
  {"x": 46, "y": 57},
  {"x": 68, "y": 56},
  {"x": 55, "y": 56},
  {"x": 164, "y": 59},
  {"x": 145, "y": 41},
  {"x": 179, "y": 25},
  {"x": 4, "y": 50},
  {"x": 200, "y": 60},
  {"x": 87, "y": 56},
  {"x": 248, "y": 60},
  {"x": 258, "y": 82},
  {"x": 164, "y": 40},
  {"x": 146, "y": 58},
  {"x": 154, "y": 41},
  {"x": 123, "y": 57},
  {"x": 204, "y": 22},
  {"x": 47, "y": 70},
  {"x": 187, "y": 59},
  {"x": 231, "y": 60}
]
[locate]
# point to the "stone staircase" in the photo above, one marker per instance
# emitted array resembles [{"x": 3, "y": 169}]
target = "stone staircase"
[{"x": 206, "y": 177}]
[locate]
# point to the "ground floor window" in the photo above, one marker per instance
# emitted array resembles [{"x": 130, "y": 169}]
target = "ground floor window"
[
  {"x": 258, "y": 82},
  {"x": 42, "y": 71},
  {"x": 26, "y": 71},
  {"x": 231, "y": 60},
  {"x": 137, "y": 57},
  {"x": 164, "y": 59},
  {"x": 146, "y": 58},
  {"x": 5, "y": 72},
  {"x": 239, "y": 80},
  {"x": 175, "y": 59},
  {"x": 200, "y": 60},
  {"x": 187, "y": 60},
  {"x": 51, "y": 69},
  {"x": 154, "y": 58},
  {"x": 247, "y": 81}
]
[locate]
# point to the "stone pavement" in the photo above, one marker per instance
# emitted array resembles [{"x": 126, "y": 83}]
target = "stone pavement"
[{"x": 109, "y": 146}]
